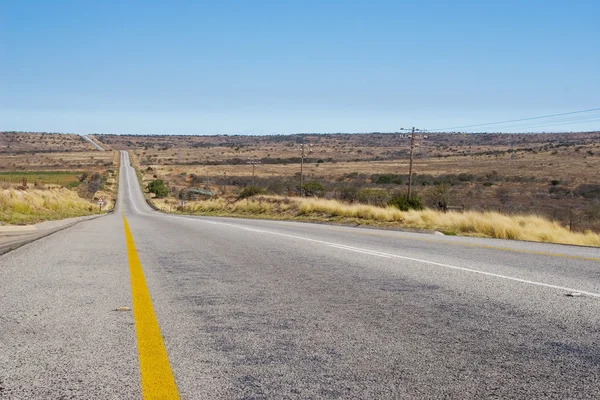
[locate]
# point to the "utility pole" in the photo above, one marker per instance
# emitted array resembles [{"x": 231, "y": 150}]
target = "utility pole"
[
  {"x": 410, "y": 165},
  {"x": 254, "y": 160},
  {"x": 412, "y": 146},
  {"x": 304, "y": 151}
]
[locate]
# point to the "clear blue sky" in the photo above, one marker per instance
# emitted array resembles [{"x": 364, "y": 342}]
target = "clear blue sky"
[{"x": 256, "y": 67}]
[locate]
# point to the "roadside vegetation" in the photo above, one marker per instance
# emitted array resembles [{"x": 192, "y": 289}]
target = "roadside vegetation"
[
  {"x": 469, "y": 223},
  {"x": 34, "y": 191},
  {"x": 541, "y": 187},
  {"x": 20, "y": 207},
  {"x": 552, "y": 175}
]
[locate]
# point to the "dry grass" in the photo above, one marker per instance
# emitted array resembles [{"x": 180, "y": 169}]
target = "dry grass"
[
  {"x": 11, "y": 142},
  {"x": 544, "y": 167},
  {"x": 75, "y": 161},
  {"x": 19, "y": 207},
  {"x": 483, "y": 224}
]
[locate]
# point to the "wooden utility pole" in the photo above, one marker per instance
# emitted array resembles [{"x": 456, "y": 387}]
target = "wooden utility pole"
[
  {"x": 410, "y": 165},
  {"x": 303, "y": 153},
  {"x": 253, "y": 161}
]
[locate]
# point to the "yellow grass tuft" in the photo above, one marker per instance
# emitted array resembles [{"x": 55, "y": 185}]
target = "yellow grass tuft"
[
  {"x": 471, "y": 223},
  {"x": 31, "y": 206}
]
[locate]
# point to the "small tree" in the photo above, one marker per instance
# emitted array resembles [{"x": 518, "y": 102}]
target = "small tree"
[
  {"x": 95, "y": 182},
  {"x": 438, "y": 196},
  {"x": 158, "y": 187},
  {"x": 313, "y": 188}
]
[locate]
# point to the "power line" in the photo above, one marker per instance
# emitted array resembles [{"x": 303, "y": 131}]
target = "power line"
[
  {"x": 516, "y": 120},
  {"x": 563, "y": 121},
  {"x": 596, "y": 118}
]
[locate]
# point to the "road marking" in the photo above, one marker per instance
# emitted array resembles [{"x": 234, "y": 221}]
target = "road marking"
[
  {"x": 157, "y": 379},
  {"x": 511, "y": 278},
  {"x": 483, "y": 246},
  {"x": 453, "y": 243},
  {"x": 390, "y": 255}
]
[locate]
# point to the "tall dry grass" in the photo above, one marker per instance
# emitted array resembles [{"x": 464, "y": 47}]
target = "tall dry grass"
[
  {"x": 484, "y": 224},
  {"x": 30, "y": 206}
]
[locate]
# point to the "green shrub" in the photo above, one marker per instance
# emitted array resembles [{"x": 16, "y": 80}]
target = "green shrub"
[
  {"x": 403, "y": 203},
  {"x": 383, "y": 180},
  {"x": 388, "y": 179},
  {"x": 158, "y": 187},
  {"x": 313, "y": 188}
]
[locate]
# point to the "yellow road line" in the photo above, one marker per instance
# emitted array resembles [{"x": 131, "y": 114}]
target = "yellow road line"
[{"x": 157, "y": 379}]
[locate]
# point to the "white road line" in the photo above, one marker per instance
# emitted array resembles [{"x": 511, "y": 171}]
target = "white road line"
[
  {"x": 390, "y": 255},
  {"x": 385, "y": 255}
]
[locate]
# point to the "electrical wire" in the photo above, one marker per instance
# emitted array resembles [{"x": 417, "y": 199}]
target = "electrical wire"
[
  {"x": 596, "y": 118},
  {"x": 514, "y": 120},
  {"x": 561, "y": 121}
]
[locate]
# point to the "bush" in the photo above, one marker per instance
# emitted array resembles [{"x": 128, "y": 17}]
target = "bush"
[
  {"x": 158, "y": 187},
  {"x": 438, "y": 196},
  {"x": 588, "y": 191},
  {"x": 313, "y": 188},
  {"x": 403, "y": 203},
  {"x": 276, "y": 188},
  {"x": 349, "y": 193},
  {"x": 383, "y": 180},
  {"x": 464, "y": 177},
  {"x": 387, "y": 179},
  {"x": 250, "y": 191},
  {"x": 95, "y": 182},
  {"x": 374, "y": 197}
]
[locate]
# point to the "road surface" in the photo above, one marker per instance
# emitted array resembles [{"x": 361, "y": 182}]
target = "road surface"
[
  {"x": 249, "y": 309},
  {"x": 96, "y": 145}
]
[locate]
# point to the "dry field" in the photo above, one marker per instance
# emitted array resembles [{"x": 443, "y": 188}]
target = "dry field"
[
  {"x": 15, "y": 142},
  {"x": 26, "y": 151},
  {"x": 56, "y": 161},
  {"x": 52, "y": 176}
]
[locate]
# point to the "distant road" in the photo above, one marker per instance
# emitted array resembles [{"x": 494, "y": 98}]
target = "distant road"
[
  {"x": 96, "y": 145},
  {"x": 248, "y": 309}
]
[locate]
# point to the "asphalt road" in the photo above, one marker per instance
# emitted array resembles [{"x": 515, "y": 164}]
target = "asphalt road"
[
  {"x": 96, "y": 145},
  {"x": 253, "y": 309}
]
